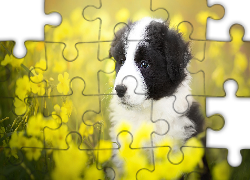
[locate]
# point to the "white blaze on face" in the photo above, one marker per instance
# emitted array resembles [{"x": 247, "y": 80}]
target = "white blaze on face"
[{"x": 129, "y": 74}]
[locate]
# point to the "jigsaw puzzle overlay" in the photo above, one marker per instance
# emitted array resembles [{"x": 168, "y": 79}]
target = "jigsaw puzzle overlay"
[{"x": 55, "y": 118}]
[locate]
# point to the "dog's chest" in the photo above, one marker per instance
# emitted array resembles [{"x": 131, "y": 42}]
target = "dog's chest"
[{"x": 161, "y": 117}]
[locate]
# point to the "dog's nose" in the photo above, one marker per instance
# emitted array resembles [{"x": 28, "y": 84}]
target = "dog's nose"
[{"x": 120, "y": 90}]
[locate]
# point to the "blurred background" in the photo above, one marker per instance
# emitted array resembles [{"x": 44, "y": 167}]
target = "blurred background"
[{"x": 69, "y": 79}]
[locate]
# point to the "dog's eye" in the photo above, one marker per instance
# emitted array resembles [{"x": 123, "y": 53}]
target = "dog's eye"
[{"x": 144, "y": 64}]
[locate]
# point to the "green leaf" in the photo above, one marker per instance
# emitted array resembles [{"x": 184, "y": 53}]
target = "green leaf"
[{"x": 27, "y": 69}]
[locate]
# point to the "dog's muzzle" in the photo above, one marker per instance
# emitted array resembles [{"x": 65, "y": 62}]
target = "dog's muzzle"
[{"x": 120, "y": 90}]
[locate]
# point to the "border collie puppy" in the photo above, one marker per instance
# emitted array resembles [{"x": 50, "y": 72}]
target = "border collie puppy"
[{"x": 151, "y": 61}]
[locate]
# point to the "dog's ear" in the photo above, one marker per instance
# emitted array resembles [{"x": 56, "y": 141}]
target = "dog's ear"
[
  {"x": 118, "y": 37},
  {"x": 177, "y": 54}
]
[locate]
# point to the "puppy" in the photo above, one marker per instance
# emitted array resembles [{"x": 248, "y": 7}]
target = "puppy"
[{"x": 151, "y": 61}]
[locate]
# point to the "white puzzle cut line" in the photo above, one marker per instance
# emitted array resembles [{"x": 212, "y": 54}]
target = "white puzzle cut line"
[
  {"x": 24, "y": 20},
  {"x": 235, "y": 134}
]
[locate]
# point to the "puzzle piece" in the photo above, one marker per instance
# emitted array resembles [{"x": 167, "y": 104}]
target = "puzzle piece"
[
  {"x": 65, "y": 106},
  {"x": 236, "y": 171},
  {"x": 215, "y": 122},
  {"x": 15, "y": 72},
  {"x": 219, "y": 167},
  {"x": 225, "y": 60},
  {"x": 103, "y": 154},
  {"x": 87, "y": 66},
  {"x": 9, "y": 164},
  {"x": 228, "y": 107},
  {"x": 73, "y": 29},
  {"x": 150, "y": 121},
  {"x": 129, "y": 158},
  {"x": 218, "y": 30},
  {"x": 162, "y": 161},
  {"x": 18, "y": 157},
  {"x": 195, "y": 12},
  {"x": 81, "y": 93},
  {"x": 168, "y": 11},
  {"x": 122, "y": 12},
  {"x": 197, "y": 46},
  {"x": 74, "y": 152},
  {"x": 30, "y": 22},
  {"x": 140, "y": 138}
]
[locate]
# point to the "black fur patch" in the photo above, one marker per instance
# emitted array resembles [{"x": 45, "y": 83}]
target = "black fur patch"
[
  {"x": 167, "y": 54},
  {"x": 117, "y": 49},
  {"x": 195, "y": 115}
]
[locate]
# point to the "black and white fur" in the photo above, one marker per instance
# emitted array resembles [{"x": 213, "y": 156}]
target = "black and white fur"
[
  {"x": 154, "y": 58},
  {"x": 151, "y": 61}
]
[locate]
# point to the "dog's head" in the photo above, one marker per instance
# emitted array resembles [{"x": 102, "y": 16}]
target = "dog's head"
[{"x": 150, "y": 61}]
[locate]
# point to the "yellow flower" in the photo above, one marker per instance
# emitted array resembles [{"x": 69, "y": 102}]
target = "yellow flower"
[
  {"x": 22, "y": 87},
  {"x": 35, "y": 125},
  {"x": 64, "y": 168},
  {"x": 193, "y": 154},
  {"x": 63, "y": 86},
  {"x": 32, "y": 70},
  {"x": 133, "y": 160},
  {"x": 143, "y": 135},
  {"x": 18, "y": 140},
  {"x": 167, "y": 170},
  {"x": 104, "y": 155},
  {"x": 125, "y": 151},
  {"x": 14, "y": 62},
  {"x": 69, "y": 106},
  {"x": 86, "y": 130},
  {"x": 160, "y": 153},
  {"x": 58, "y": 136},
  {"x": 34, "y": 148},
  {"x": 93, "y": 173},
  {"x": 37, "y": 86},
  {"x": 124, "y": 126},
  {"x": 20, "y": 106},
  {"x": 40, "y": 66},
  {"x": 9, "y": 151},
  {"x": 221, "y": 171},
  {"x": 60, "y": 114},
  {"x": 50, "y": 122}
]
